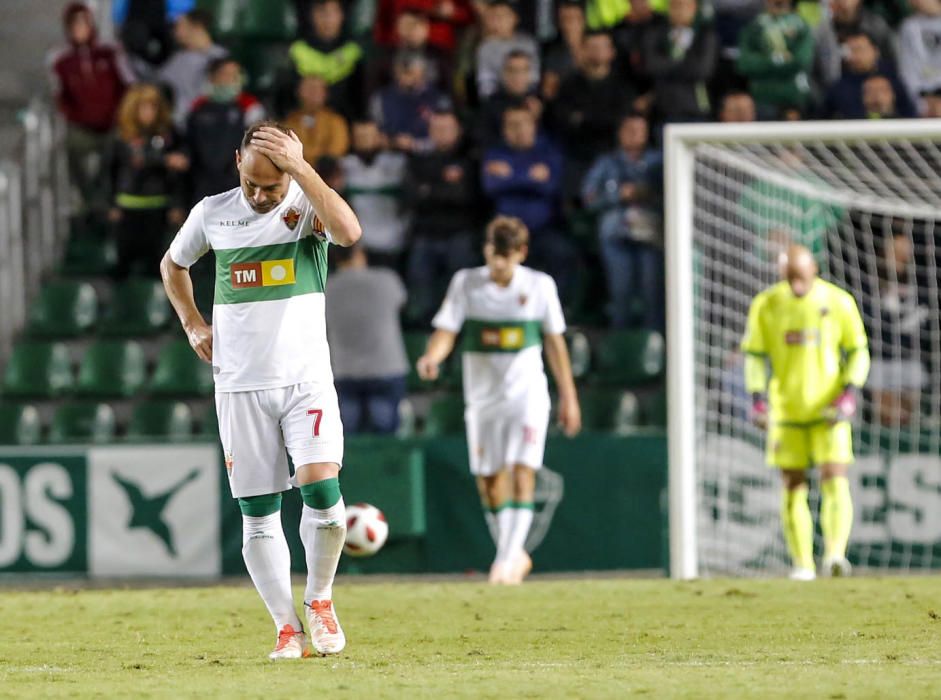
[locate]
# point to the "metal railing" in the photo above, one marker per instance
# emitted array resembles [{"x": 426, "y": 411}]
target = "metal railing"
[{"x": 34, "y": 211}]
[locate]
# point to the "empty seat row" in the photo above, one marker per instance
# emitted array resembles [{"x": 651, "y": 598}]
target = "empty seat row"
[
  {"x": 94, "y": 422},
  {"x": 66, "y": 309},
  {"x": 108, "y": 369}
]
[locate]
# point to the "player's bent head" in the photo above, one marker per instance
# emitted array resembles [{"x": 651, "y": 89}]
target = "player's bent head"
[
  {"x": 506, "y": 245},
  {"x": 798, "y": 267},
  {"x": 262, "y": 182}
]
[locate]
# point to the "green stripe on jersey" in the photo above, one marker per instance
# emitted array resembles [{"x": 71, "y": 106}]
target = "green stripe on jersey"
[
  {"x": 271, "y": 272},
  {"x": 500, "y": 336}
]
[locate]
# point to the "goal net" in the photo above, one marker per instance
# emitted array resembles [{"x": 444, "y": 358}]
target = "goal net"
[{"x": 866, "y": 199}]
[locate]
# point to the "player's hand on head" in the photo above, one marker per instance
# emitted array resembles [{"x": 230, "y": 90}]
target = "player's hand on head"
[
  {"x": 284, "y": 150},
  {"x": 428, "y": 370},
  {"x": 200, "y": 339},
  {"x": 570, "y": 416}
]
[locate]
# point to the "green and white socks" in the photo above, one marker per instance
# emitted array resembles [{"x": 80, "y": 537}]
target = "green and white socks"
[
  {"x": 267, "y": 557},
  {"x": 514, "y": 520},
  {"x": 266, "y": 553},
  {"x": 323, "y": 532}
]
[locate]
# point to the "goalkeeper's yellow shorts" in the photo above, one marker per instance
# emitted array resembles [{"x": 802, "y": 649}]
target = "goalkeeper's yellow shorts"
[{"x": 802, "y": 446}]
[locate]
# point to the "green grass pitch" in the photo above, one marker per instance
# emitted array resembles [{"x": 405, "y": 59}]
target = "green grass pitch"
[{"x": 614, "y": 638}]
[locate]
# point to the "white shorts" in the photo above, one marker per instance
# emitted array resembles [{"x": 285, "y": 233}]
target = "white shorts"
[
  {"x": 256, "y": 426},
  {"x": 498, "y": 440}
]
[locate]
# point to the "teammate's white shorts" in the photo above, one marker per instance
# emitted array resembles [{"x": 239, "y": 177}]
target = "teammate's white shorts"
[
  {"x": 496, "y": 440},
  {"x": 256, "y": 426}
]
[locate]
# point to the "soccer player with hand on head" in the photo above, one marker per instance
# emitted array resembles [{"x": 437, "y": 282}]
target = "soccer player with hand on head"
[
  {"x": 810, "y": 334},
  {"x": 268, "y": 348},
  {"x": 507, "y": 313}
]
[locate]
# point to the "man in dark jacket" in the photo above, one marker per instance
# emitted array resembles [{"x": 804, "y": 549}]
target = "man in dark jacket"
[
  {"x": 848, "y": 18},
  {"x": 402, "y": 110},
  {"x": 523, "y": 178},
  {"x": 515, "y": 86},
  {"x": 844, "y": 99},
  {"x": 215, "y": 127},
  {"x": 89, "y": 78},
  {"x": 441, "y": 189},
  {"x": 680, "y": 57},
  {"x": 590, "y": 102}
]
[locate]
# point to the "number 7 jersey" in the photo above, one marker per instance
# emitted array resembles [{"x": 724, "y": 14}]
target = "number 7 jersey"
[{"x": 502, "y": 335}]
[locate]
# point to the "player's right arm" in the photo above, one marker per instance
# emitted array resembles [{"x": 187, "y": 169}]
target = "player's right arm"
[
  {"x": 188, "y": 246},
  {"x": 440, "y": 345},
  {"x": 447, "y": 323},
  {"x": 756, "y": 361}
]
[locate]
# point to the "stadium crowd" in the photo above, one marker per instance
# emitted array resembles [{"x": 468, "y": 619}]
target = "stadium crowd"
[{"x": 432, "y": 115}]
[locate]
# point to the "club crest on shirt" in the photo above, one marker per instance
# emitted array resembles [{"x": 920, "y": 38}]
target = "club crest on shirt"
[
  {"x": 523, "y": 299},
  {"x": 291, "y": 217},
  {"x": 824, "y": 311}
]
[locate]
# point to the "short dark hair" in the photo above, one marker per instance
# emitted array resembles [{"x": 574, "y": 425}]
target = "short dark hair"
[
  {"x": 507, "y": 234},
  {"x": 217, "y": 63},
  {"x": 593, "y": 33},
  {"x": 516, "y": 105},
  {"x": 201, "y": 17},
  {"x": 250, "y": 132},
  {"x": 864, "y": 35},
  {"x": 632, "y": 114},
  {"x": 517, "y": 53}
]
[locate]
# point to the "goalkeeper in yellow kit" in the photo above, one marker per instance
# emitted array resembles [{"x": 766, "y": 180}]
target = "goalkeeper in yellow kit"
[{"x": 811, "y": 336}]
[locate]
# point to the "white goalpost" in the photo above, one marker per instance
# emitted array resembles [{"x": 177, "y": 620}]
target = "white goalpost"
[{"x": 865, "y": 197}]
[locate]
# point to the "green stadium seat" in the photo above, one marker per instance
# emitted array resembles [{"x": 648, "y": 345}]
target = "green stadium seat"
[
  {"x": 653, "y": 408},
  {"x": 82, "y": 421},
  {"x": 445, "y": 416},
  {"x": 415, "y": 343},
  {"x": 89, "y": 255},
  {"x": 629, "y": 358},
  {"x": 609, "y": 410},
  {"x": 140, "y": 307},
  {"x": 209, "y": 425},
  {"x": 64, "y": 309},
  {"x": 580, "y": 352},
  {"x": 38, "y": 369},
  {"x": 180, "y": 372},
  {"x": 267, "y": 20},
  {"x": 112, "y": 368},
  {"x": 266, "y": 64},
  {"x": 407, "y": 420},
  {"x": 172, "y": 420},
  {"x": 225, "y": 14},
  {"x": 19, "y": 424}
]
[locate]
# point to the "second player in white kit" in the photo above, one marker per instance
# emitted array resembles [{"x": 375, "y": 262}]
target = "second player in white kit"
[
  {"x": 271, "y": 365},
  {"x": 506, "y": 313}
]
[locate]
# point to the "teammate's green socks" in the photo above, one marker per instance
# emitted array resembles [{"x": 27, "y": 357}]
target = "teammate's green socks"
[
  {"x": 836, "y": 516},
  {"x": 321, "y": 495},
  {"x": 798, "y": 527}
]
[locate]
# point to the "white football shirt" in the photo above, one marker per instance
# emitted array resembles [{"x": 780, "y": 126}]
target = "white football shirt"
[
  {"x": 268, "y": 319},
  {"x": 502, "y": 334}
]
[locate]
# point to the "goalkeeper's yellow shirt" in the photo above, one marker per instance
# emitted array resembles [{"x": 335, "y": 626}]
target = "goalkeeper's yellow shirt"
[{"x": 815, "y": 346}]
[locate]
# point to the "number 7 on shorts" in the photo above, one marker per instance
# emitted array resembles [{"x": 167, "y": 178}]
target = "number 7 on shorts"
[{"x": 317, "y": 413}]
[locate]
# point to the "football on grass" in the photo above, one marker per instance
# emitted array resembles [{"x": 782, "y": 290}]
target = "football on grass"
[{"x": 366, "y": 530}]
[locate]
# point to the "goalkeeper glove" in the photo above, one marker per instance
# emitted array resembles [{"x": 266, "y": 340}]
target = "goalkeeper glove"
[
  {"x": 844, "y": 405},
  {"x": 759, "y": 410}
]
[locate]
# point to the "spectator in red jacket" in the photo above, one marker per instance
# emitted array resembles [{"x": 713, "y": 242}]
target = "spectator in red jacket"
[
  {"x": 89, "y": 78},
  {"x": 446, "y": 18}
]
